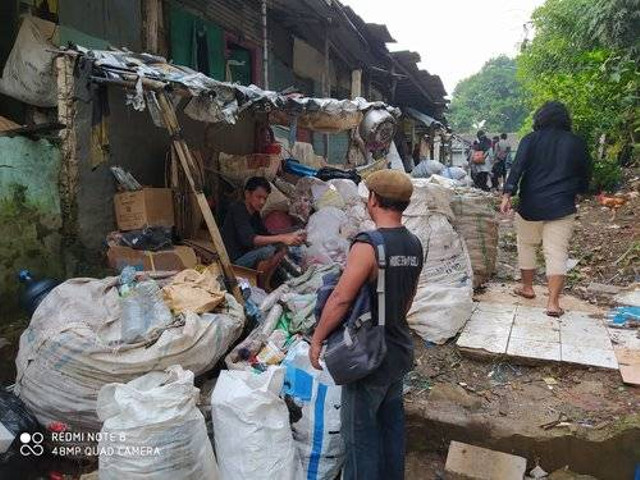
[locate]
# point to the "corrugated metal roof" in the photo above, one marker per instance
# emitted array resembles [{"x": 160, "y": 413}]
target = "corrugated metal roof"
[{"x": 427, "y": 120}]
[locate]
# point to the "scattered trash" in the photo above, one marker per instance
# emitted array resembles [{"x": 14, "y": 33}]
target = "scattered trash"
[
  {"x": 538, "y": 472},
  {"x": 152, "y": 428},
  {"x": 127, "y": 181},
  {"x": 624, "y": 317},
  {"x": 15, "y": 419},
  {"x": 562, "y": 421},
  {"x": 572, "y": 263},
  {"x": 550, "y": 381}
]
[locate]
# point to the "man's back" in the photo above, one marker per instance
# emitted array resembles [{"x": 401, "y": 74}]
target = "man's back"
[{"x": 404, "y": 262}]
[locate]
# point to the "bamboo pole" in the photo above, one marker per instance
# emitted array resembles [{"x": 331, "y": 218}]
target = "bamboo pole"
[{"x": 187, "y": 162}]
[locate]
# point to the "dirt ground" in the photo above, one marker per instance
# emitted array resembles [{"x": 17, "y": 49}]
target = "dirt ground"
[
  {"x": 547, "y": 398},
  {"x": 607, "y": 250}
]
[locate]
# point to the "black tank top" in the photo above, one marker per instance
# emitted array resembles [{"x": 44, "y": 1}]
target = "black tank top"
[{"x": 404, "y": 264}]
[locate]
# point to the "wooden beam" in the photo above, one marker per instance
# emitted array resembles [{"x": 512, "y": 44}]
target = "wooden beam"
[
  {"x": 69, "y": 174},
  {"x": 187, "y": 162},
  {"x": 356, "y": 83},
  {"x": 152, "y": 19}
]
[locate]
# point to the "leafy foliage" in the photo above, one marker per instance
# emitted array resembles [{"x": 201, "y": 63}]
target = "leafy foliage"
[
  {"x": 585, "y": 53},
  {"x": 493, "y": 95}
]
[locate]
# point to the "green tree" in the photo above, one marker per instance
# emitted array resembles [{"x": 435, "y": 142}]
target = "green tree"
[
  {"x": 493, "y": 96},
  {"x": 585, "y": 53}
]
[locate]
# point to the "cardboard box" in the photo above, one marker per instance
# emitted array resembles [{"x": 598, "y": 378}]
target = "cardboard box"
[
  {"x": 149, "y": 206},
  {"x": 178, "y": 258}
]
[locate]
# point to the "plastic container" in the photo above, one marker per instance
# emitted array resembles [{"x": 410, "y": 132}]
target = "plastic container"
[{"x": 35, "y": 290}]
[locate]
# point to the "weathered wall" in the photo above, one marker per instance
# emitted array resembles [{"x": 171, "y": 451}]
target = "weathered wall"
[
  {"x": 29, "y": 214},
  {"x": 140, "y": 147},
  {"x": 94, "y": 23}
]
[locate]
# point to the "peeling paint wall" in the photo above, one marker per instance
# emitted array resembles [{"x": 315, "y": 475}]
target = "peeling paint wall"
[{"x": 29, "y": 214}]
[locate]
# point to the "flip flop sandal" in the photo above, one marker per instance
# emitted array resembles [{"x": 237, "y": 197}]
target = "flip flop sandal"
[
  {"x": 556, "y": 314},
  {"x": 520, "y": 293}
]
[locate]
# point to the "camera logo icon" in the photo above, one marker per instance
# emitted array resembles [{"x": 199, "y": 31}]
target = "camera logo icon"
[{"x": 31, "y": 444}]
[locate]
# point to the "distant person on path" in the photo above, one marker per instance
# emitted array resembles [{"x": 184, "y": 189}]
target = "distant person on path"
[
  {"x": 501, "y": 150},
  {"x": 483, "y": 169},
  {"x": 551, "y": 167}
]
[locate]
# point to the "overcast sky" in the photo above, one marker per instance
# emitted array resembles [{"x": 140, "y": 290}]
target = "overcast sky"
[{"x": 453, "y": 37}]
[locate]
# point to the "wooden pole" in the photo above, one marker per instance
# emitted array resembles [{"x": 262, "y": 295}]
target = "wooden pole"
[
  {"x": 326, "y": 87},
  {"x": 152, "y": 15},
  {"x": 69, "y": 175},
  {"x": 186, "y": 160}
]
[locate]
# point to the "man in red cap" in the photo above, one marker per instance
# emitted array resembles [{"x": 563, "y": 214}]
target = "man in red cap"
[{"x": 372, "y": 408}]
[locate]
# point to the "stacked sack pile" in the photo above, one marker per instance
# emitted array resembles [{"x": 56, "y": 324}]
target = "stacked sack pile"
[{"x": 90, "y": 333}]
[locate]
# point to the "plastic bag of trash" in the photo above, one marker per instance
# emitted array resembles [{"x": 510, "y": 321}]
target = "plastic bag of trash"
[
  {"x": 153, "y": 429},
  {"x": 348, "y": 191},
  {"x": 323, "y": 233},
  {"x": 454, "y": 173},
  {"x": 317, "y": 433},
  {"x": 443, "y": 302},
  {"x": 251, "y": 427},
  {"x": 426, "y": 168},
  {"x": 72, "y": 348},
  {"x": 15, "y": 419}
]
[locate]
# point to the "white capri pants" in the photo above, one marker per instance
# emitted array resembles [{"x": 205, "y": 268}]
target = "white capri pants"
[{"x": 554, "y": 236}]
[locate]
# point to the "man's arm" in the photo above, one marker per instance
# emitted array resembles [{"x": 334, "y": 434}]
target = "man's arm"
[
  {"x": 360, "y": 266},
  {"x": 249, "y": 239},
  {"x": 287, "y": 238},
  {"x": 522, "y": 156}
]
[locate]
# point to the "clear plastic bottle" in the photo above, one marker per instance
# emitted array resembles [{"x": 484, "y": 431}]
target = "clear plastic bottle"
[{"x": 143, "y": 310}]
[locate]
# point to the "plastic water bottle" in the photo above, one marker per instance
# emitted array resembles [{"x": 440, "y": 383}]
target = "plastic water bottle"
[
  {"x": 143, "y": 309},
  {"x": 34, "y": 291}
]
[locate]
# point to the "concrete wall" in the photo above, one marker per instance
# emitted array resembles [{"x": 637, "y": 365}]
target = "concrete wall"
[{"x": 29, "y": 214}]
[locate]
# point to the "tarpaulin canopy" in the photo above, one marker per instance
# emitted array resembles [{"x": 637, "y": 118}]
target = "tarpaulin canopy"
[{"x": 214, "y": 101}]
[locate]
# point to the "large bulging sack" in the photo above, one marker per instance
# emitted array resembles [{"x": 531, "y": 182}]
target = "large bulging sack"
[
  {"x": 251, "y": 427},
  {"x": 153, "y": 429},
  {"x": 29, "y": 73},
  {"x": 73, "y": 347},
  {"x": 475, "y": 220},
  {"x": 317, "y": 433},
  {"x": 443, "y": 302}
]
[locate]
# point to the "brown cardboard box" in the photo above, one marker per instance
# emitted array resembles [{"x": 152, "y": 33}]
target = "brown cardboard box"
[
  {"x": 149, "y": 206},
  {"x": 178, "y": 258}
]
